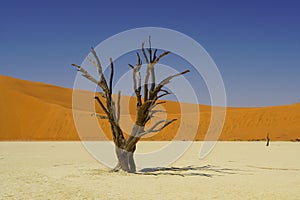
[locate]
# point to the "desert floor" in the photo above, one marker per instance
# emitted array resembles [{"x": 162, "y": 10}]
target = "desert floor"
[{"x": 233, "y": 170}]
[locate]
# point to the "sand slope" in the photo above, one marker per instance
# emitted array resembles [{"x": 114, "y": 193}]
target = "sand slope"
[{"x": 37, "y": 111}]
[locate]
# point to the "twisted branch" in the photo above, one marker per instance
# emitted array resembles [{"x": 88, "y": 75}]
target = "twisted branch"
[
  {"x": 161, "y": 55},
  {"x": 154, "y": 128}
]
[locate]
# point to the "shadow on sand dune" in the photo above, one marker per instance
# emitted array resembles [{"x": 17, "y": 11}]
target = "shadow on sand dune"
[{"x": 207, "y": 171}]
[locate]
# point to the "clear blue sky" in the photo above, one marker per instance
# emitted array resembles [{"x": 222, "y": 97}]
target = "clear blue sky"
[{"x": 255, "y": 44}]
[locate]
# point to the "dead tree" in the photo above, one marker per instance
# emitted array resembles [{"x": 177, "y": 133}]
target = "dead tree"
[
  {"x": 147, "y": 95},
  {"x": 268, "y": 140}
]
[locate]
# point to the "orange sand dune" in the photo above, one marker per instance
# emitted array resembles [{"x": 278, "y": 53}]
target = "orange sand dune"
[{"x": 37, "y": 111}]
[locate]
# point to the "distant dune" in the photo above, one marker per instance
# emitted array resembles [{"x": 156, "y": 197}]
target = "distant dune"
[{"x": 37, "y": 111}]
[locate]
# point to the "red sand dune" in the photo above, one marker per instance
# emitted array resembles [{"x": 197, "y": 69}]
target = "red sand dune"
[{"x": 37, "y": 111}]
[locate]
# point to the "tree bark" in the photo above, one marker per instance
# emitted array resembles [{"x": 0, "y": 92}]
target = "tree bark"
[{"x": 125, "y": 160}]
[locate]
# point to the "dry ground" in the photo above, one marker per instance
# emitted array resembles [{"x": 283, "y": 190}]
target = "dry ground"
[{"x": 233, "y": 170}]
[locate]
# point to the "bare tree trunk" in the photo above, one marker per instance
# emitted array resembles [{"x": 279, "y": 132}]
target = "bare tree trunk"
[
  {"x": 125, "y": 160},
  {"x": 132, "y": 163},
  {"x": 268, "y": 140}
]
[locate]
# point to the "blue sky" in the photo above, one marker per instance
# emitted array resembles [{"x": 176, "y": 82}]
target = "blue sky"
[{"x": 255, "y": 44}]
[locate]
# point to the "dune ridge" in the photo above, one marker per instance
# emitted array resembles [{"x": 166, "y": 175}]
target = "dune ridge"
[{"x": 38, "y": 111}]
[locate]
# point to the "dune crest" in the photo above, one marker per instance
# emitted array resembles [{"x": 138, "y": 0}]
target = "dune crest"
[{"x": 37, "y": 111}]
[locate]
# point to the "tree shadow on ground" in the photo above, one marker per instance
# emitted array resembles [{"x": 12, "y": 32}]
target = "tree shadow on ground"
[{"x": 206, "y": 171}]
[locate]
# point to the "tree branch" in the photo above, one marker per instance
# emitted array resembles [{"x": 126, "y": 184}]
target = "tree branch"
[
  {"x": 119, "y": 107},
  {"x": 144, "y": 53},
  {"x": 102, "y": 106},
  {"x": 152, "y": 72},
  {"x": 161, "y": 55},
  {"x": 168, "y": 79},
  {"x": 109, "y": 109},
  {"x": 150, "y": 50},
  {"x": 155, "y": 104},
  {"x": 137, "y": 84},
  {"x": 146, "y": 84},
  {"x": 102, "y": 83},
  {"x": 138, "y": 73},
  {"x": 98, "y": 64},
  {"x": 99, "y": 116},
  {"x": 164, "y": 82},
  {"x": 133, "y": 77},
  {"x": 154, "y": 56},
  {"x": 111, "y": 76},
  {"x": 164, "y": 94},
  {"x": 152, "y": 112},
  {"x": 154, "y": 128},
  {"x": 85, "y": 74},
  {"x": 92, "y": 61}
]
